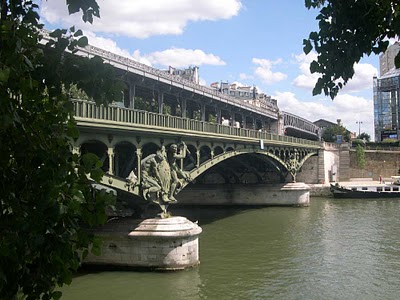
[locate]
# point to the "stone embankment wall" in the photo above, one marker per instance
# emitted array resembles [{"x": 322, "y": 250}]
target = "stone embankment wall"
[
  {"x": 326, "y": 167},
  {"x": 377, "y": 162}
]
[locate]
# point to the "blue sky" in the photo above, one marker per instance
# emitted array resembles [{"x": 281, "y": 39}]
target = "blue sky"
[{"x": 251, "y": 42}]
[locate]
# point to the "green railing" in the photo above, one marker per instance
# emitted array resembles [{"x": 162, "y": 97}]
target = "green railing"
[{"x": 89, "y": 110}]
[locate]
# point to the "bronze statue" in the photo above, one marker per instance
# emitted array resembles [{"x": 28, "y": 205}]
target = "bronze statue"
[
  {"x": 176, "y": 172},
  {"x": 293, "y": 165},
  {"x": 151, "y": 180},
  {"x": 160, "y": 176}
]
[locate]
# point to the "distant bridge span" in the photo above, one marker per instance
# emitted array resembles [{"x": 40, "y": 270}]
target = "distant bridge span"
[{"x": 185, "y": 98}]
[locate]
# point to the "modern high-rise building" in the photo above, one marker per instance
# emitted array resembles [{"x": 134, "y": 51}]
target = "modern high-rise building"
[
  {"x": 386, "y": 60},
  {"x": 386, "y": 97}
]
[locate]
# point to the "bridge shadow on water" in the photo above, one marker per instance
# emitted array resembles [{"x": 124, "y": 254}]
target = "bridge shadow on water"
[{"x": 207, "y": 214}]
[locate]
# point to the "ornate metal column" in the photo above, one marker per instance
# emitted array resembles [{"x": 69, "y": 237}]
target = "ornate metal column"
[
  {"x": 139, "y": 160},
  {"x": 111, "y": 156},
  {"x": 197, "y": 158}
]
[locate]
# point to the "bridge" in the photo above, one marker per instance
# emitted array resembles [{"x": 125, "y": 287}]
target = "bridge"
[
  {"x": 216, "y": 153},
  {"x": 164, "y": 92},
  {"x": 260, "y": 144}
]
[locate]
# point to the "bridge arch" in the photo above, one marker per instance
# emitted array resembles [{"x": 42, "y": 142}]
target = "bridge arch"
[
  {"x": 205, "y": 153},
  {"x": 149, "y": 148},
  {"x": 218, "y": 150},
  {"x": 125, "y": 158},
  {"x": 98, "y": 148}
]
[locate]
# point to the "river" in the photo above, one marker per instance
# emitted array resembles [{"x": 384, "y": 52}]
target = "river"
[{"x": 333, "y": 249}]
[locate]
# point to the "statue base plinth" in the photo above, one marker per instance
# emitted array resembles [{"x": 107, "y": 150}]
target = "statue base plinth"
[{"x": 155, "y": 244}]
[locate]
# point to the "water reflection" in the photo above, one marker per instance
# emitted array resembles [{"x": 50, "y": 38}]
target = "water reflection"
[
  {"x": 135, "y": 285},
  {"x": 346, "y": 249}
]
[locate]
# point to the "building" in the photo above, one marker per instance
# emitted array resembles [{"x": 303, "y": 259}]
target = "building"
[
  {"x": 386, "y": 60},
  {"x": 248, "y": 94},
  {"x": 324, "y": 124},
  {"x": 190, "y": 73},
  {"x": 386, "y": 97}
]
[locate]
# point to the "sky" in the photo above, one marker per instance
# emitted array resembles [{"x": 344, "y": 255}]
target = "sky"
[{"x": 249, "y": 42}]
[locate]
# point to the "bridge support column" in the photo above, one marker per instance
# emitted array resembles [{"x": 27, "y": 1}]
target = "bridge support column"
[
  {"x": 132, "y": 94},
  {"x": 160, "y": 103},
  {"x": 139, "y": 160},
  {"x": 197, "y": 158},
  {"x": 203, "y": 111},
  {"x": 232, "y": 118},
  {"x": 183, "y": 107},
  {"x": 111, "y": 156},
  {"x": 219, "y": 115}
]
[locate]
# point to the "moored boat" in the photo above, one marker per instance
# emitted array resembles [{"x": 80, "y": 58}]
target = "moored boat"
[{"x": 381, "y": 190}]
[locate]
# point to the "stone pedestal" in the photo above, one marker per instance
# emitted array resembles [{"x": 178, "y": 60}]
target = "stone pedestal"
[{"x": 155, "y": 244}]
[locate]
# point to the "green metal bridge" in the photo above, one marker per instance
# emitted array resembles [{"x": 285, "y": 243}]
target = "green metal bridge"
[{"x": 123, "y": 137}]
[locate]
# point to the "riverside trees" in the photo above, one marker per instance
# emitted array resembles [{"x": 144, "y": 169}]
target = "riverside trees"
[
  {"x": 349, "y": 29},
  {"x": 45, "y": 196}
]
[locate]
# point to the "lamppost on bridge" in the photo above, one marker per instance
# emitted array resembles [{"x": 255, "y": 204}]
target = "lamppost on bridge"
[{"x": 359, "y": 127}]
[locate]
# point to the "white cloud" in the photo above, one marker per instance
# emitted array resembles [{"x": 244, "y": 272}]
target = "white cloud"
[
  {"x": 110, "y": 45},
  {"x": 178, "y": 58},
  {"x": 143, "y": 18},
  {"x": 243, "y": 76},
  {"x": 175, "y": 57},
  {"x": 348, "y": 108},
  {"x": 265, "y": 73},
  {"x": 202, "y": 82},
  {"x": 305, "y": 79},
  {"x": 361, "y": 80}
]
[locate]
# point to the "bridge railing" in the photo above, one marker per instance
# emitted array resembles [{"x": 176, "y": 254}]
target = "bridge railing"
[{"x": 89, "y": 110}]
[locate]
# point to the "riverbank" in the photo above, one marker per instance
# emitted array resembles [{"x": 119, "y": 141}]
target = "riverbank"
[
  {"x": 320, "y": 190},
  {"x": 323, "y": 190}
]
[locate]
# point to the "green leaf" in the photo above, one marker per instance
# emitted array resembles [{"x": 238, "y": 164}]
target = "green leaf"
[
  {"x": 314, "y": 67},
  {"x": 96, "y": 248},
  {"x": 83, "y": 42},
  {"x": 57, "y": 33},
  {"x": 4, "y": 74},
  {"x": 78, "y": 33},
  {"x": 56, "y": 295},
  {"x": 96, "y": 175},
  {"x": 307, "y": 46}
]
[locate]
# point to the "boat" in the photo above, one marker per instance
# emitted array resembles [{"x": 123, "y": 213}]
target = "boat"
[{"x": 379, "y": 190}]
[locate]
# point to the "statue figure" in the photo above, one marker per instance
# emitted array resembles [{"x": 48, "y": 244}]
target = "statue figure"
[
  {"x": 293, "y": 165},
  {"x": 150, "y": 176},
  {"x": 131, "y": 179},
  {"x": 176, "y": 172},
  {"x": 160, "y": 176}
]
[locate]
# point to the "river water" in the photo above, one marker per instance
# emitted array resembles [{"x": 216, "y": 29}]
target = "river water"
[{"x": 333, "y": 249}]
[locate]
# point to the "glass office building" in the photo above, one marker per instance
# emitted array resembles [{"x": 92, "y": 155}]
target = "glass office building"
[
  {"x": 386, "y": 105},
  {"x": 386, "y": 96}
]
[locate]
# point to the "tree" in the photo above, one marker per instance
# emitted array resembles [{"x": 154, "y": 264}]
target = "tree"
[
  {"x": 330, "y": 133},
  {"x": 46, "y": 199},
  {"x": 349, "y": 29},
  {"x": 364, "y": 136},
  {"x": 360, "y": 156}
]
